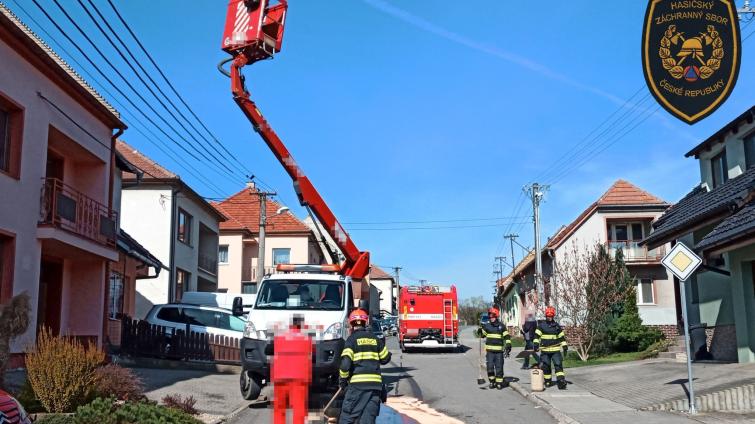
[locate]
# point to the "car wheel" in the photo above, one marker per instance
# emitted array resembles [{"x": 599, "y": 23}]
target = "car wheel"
[{"x": 250, "y": 387}]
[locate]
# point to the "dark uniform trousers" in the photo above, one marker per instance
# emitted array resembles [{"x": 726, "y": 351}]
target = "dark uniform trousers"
[
  {"x": 360, "y": 373},
  {"x": 360, "y": 406},
  {"x": 550, "y": 339},
  {"x": 497, "y": 340}
]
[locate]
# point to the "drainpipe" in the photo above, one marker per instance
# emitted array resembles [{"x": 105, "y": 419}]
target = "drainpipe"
[
  {"x": 111, "y": 182},
  {"x": 173, "y": 224}
]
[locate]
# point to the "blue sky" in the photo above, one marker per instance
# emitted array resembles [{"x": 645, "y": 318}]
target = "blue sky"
[{"x": 418, "y": 111}]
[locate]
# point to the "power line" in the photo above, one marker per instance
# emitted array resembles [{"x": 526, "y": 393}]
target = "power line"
[
  {"x": 165, "y": 78},
  {"x": 115, "y": 69},
  {"x": 149, "y": 77},
  {"x": 184, "y": 165},
  {"x": 427, "y": 228},
  {"x": 435, "y": 221}
]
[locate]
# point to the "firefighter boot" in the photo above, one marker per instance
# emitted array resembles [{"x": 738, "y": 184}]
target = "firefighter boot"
[
  {"x": 492, "y": 385},
  {"x": 502, "y": 385},
  {"x": 549, "y": 383},
  {"x": 562, "y": 384}
]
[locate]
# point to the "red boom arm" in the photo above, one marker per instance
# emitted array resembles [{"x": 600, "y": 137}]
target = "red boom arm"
[{"x": 248, "y": 45}]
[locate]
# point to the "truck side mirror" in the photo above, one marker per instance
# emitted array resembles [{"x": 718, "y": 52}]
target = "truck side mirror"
[
  {"x": 238, "y": 306},
  {"x": 364, "y": 304}
]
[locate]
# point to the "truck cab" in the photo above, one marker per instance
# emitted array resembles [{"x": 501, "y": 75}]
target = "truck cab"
[{"x": 323, "y": 299}]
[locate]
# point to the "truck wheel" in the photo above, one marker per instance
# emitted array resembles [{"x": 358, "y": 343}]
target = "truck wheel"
[{"x": 250, "y": 387}]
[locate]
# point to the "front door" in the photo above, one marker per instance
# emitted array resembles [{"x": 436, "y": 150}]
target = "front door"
[{"x": 50, "y": 295}]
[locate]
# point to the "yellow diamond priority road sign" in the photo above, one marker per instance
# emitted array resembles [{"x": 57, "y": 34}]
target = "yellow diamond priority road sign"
[{"x": 682, "y": 261}]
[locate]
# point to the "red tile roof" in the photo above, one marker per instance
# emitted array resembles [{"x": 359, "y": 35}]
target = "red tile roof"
[
  {"x": 152, "y": 170},
  {"x": 625, "y": 193},
  {"x": 243, "y": 212},
  {"x": 376, "y": 273},
  {"x": 621, "y": 193}
]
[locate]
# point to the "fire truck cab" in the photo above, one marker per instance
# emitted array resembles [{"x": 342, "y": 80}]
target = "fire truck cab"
[{"x": 428, "y": 317}]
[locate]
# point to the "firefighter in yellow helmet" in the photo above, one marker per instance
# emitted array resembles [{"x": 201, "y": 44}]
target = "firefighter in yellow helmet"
[
  {"x": 550, "y": 340},
  {"x": 497, "y": 341}
]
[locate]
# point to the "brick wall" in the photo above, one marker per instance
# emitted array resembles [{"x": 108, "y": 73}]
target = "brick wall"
[{"x": 670, "y": 331}]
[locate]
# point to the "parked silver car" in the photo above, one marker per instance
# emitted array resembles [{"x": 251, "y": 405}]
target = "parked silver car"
[{"x": 200, "y": 319}]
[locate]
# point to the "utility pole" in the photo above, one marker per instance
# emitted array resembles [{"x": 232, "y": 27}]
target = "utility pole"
[
  {"x": 536, "y": 192},
  {"x": 501, "y": 260},
  {"x": 395, "y": 290},
  {"x": 263, "y": 223},
  {"x": 511, "y": 238}
]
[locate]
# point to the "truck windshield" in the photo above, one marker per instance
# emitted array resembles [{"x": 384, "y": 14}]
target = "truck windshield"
[{"x": 300, "y": 294}]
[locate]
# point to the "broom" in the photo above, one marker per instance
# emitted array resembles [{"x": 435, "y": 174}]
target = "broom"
[{"x": 480, "y": 378}]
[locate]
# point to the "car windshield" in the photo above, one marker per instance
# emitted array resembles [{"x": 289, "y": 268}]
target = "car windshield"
[{"x": 300, "y": 294}]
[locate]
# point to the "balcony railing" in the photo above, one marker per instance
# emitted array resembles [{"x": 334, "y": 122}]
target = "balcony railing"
[
  {"x": 208, "y": 263},
  {"x": 268, "y": 270},
  {"x": 633, "y": 252},
  {"x": 68, "y": 209}
]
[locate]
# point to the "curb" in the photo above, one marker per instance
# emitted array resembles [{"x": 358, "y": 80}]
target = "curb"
[
  {"x": 157, "y": 363},
  {"x": 554, "y": 412},
  {"x": 735, "y": 399}
]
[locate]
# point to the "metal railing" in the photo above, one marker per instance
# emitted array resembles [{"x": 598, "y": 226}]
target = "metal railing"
[
  {"x": 268, "y": 270},
  {"x": 66, "y": 208},
  {"x": 633, "y": 252},
  {"x": 208, "y": 263}
]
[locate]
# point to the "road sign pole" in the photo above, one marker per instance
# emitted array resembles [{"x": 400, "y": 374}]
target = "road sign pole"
[{"x": 683, "y": 293}]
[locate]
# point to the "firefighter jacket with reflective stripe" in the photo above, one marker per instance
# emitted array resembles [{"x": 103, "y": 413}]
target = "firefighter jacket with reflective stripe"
[
  {"x": 549, "y": 336},
  {"x": 496, "y": 336},
  {"x": 361, "y": 359}
]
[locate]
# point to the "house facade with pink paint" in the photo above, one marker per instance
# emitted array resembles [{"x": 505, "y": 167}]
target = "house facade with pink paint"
[{"x": 59, "y": 222}]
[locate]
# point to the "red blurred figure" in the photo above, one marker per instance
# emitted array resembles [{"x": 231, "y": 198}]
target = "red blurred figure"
[{"x": 291, "y": 373}]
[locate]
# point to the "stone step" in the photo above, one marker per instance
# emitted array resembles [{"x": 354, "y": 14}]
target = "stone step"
[
  {"x": 667, "y": 355},
  {"x": 735, "y": 399}
]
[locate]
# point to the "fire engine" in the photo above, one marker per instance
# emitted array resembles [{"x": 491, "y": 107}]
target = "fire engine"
[
  {"x": 324, "y": 293},
  {"x": 428, "y": 317}
]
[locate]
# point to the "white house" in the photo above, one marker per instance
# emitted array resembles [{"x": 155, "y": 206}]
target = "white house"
[
  {"x": 174, "y": 223},
  {"x": 620, "y": 219},
  {"x": 387, "y": 289},
  {"x": 287, "y": 240}
]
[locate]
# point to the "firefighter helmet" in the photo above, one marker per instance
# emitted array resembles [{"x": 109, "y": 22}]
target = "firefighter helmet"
[
  {"x": 358, "y": 317},
  {"x": 550, "y": 311},
  {"x": 493, "y": 312}
]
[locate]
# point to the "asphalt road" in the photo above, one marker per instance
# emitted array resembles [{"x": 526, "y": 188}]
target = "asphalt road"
[{"x": 447, "y": 381}]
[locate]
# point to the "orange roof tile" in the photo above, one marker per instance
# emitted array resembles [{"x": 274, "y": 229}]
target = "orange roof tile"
[
  {"x": 625, "y": 193},
  {"x": 243, "y": 212},
  {"x": 152, "y": 170},
  {"x": 378, "y": 274},
  {"x": 621, "y": 193}
]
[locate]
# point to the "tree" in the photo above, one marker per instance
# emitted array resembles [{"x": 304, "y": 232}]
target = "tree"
[
  {"x": 585, "y": 279},
  {"x": 627, "y": 334},
  {"x": 471, "y": 308},
  {"x": 14, "y": 320}
]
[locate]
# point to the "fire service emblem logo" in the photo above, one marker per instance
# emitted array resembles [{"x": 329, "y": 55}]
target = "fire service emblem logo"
[{"x": 691, "y": 51}]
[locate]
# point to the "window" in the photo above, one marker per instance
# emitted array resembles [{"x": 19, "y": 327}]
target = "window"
[
  {"x": 281, "y": 256},
  {"x": 749, "y": 142},
  {"x": 115, "y": 304},
  {"x": 719, "y": 169},
  {"x": 645, "y": 295},
  {"x": 249, "y": 288},
  {"x": 11, "y": 123},
  {"x": 171, "y": 314},
  {"x": 182, "y": 282},
  {"x": 223, "y": 254},
  {"x": 184, "y": 227},
  {"x": 7, "y": 258}
]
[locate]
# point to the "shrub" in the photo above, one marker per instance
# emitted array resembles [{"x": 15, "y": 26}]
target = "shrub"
[
  {"x": 185, "y": 404},
  {"x": 107, "y": 411},
  {"x": 55, "y": 419},
  {"x": 28, "y": 399},
  {"x": 627, "y": 334},
  {"x": 62, "y": 371},
  {"x": 654, "y": 349},
  {"x": 118, "y": 382}
]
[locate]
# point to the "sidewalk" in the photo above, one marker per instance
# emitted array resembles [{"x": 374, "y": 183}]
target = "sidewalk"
[{"x": 616, "y": 393}]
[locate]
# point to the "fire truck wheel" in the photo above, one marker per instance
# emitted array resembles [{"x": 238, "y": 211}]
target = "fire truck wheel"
[{"x": 250, "y": 387}]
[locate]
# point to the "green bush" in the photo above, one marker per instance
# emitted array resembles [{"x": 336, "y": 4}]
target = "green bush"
[
  {"x": 654, "y": 349},
  {"x": 107, "y": 411},
  {"x": 55, "y": 419},
  {"x": 627, "y": 334}
]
